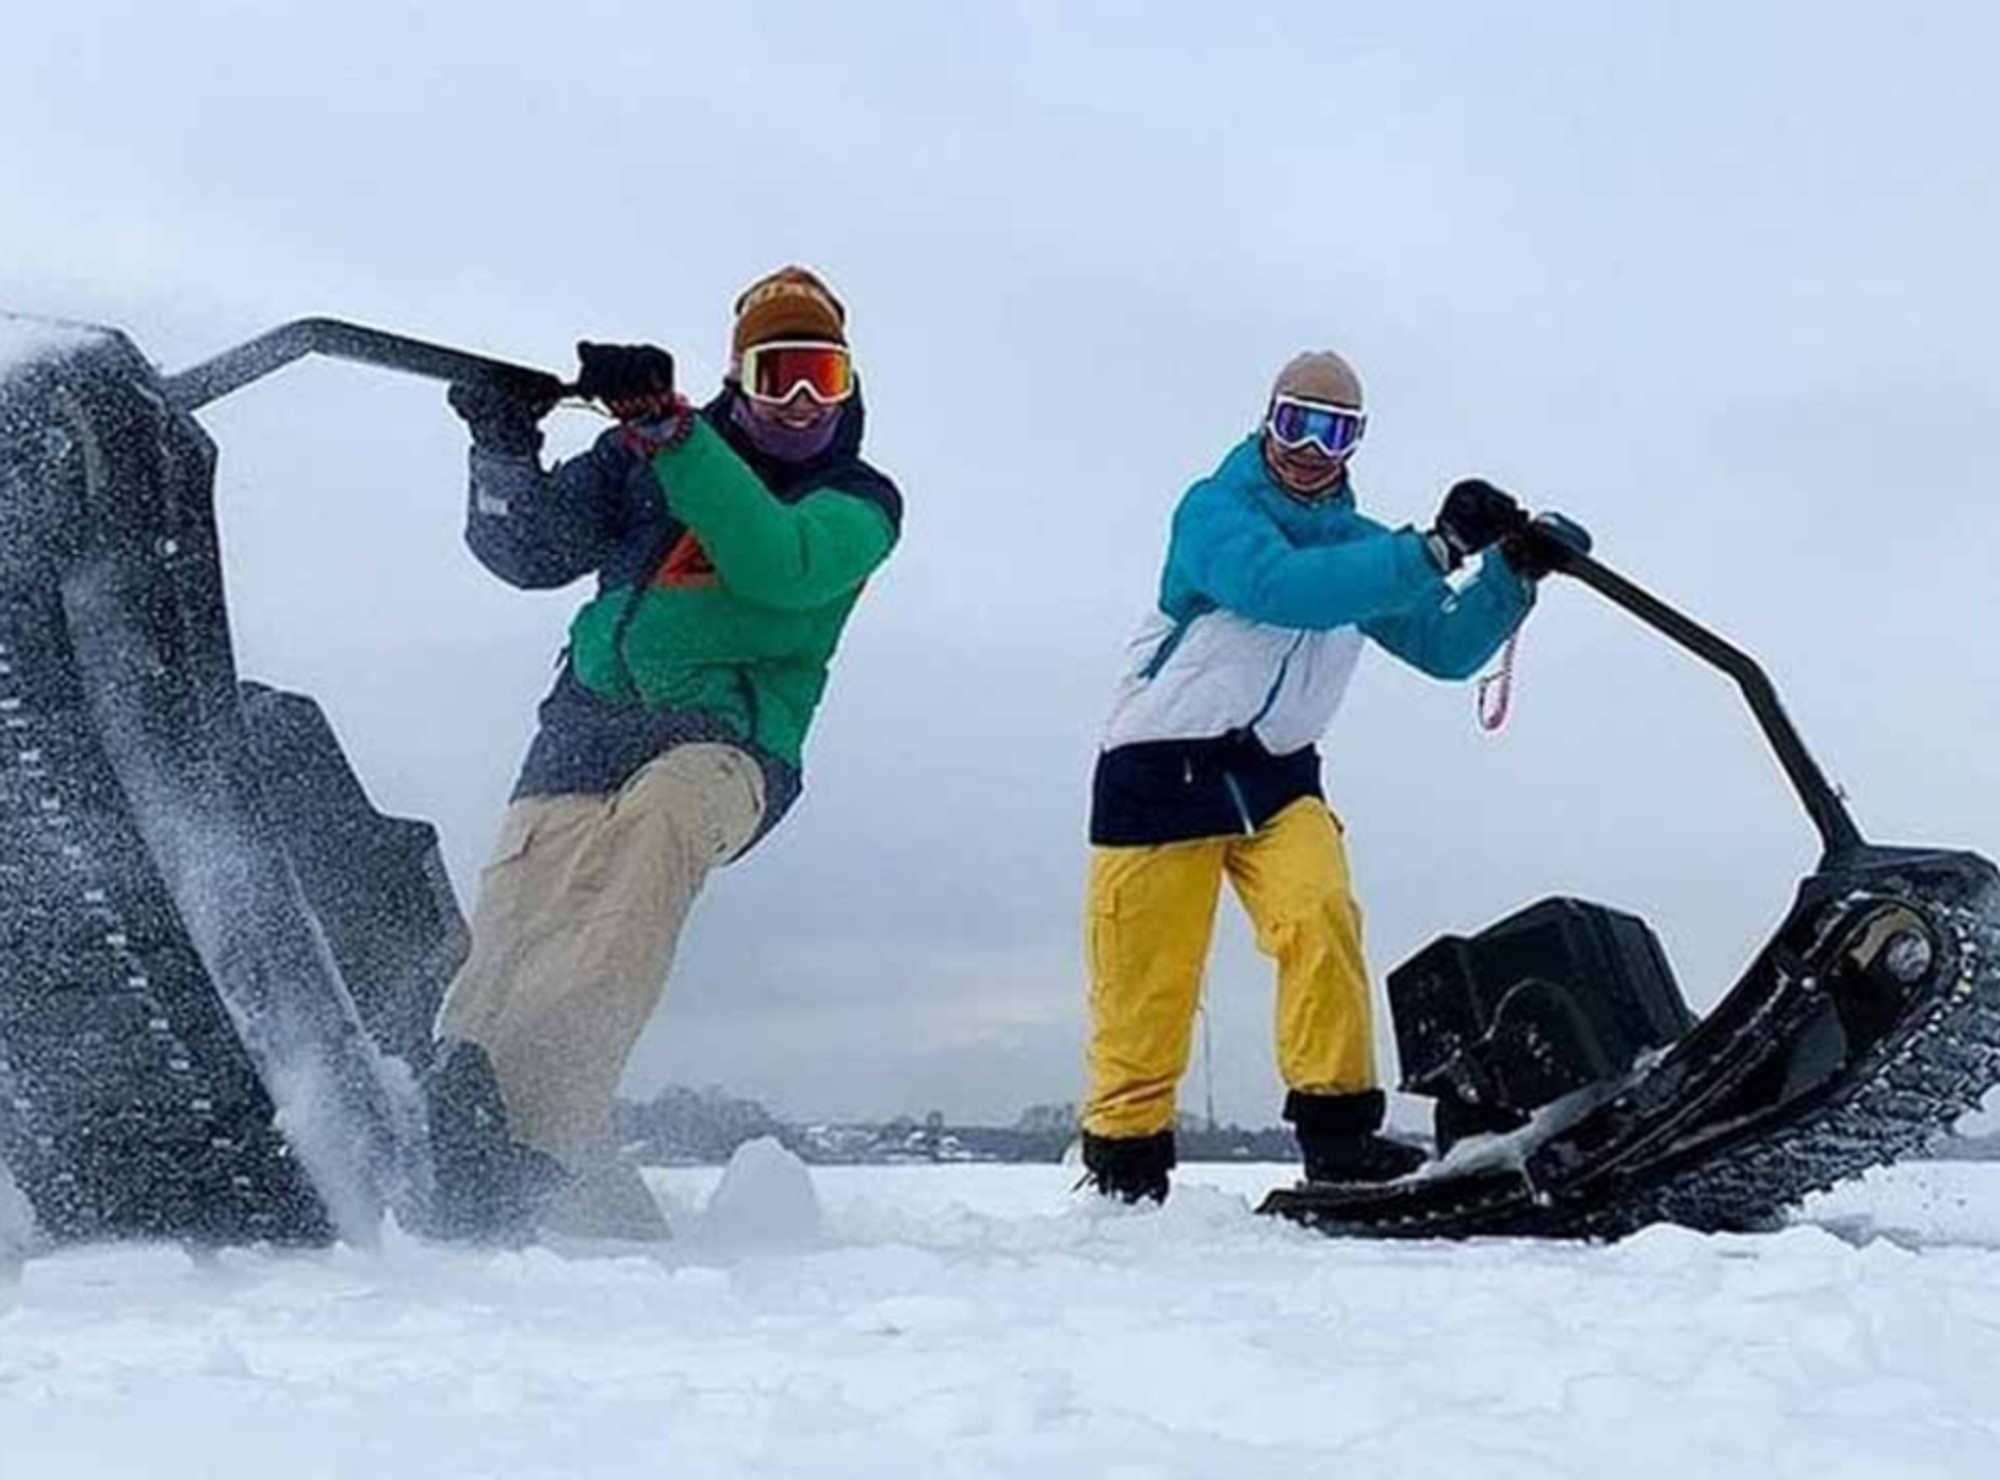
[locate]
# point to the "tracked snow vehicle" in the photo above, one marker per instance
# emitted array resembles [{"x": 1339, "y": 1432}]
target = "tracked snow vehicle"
[
  {"x": 1576, "y": 1096},
  {"x": 218, "y": 962}
]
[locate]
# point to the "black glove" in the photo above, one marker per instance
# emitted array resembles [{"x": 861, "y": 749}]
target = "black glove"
[
  {"x": 635, "y": 380},
  {"x": 501, "y": 420},
  {"x": 1475, "y": 515},
  {"x": 1536, "y": 550}
]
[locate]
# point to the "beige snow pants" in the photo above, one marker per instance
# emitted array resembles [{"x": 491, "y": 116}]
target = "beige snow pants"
[{"x": 573, "y": 935}]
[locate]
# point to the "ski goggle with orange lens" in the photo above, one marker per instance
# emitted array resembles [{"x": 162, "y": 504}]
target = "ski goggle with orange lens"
[
  {"x": 1335, "y": 430},
  {"x": 777, "y": 371}
]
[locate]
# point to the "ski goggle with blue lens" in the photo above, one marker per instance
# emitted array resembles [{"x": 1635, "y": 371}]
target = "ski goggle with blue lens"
[{"x": 1335, "y": 430}]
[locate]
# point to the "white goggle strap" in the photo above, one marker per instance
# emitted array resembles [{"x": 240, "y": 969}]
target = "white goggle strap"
[
  {"x": 749, "y": 374},
  {"x": 1359, "y": 417}
]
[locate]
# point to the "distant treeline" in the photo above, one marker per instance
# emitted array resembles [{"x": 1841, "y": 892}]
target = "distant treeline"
[{"x": 681, "y": 1126}]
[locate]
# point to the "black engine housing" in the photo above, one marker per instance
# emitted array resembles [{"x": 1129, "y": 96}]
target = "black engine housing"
[{"x": 1556, "y": 997}]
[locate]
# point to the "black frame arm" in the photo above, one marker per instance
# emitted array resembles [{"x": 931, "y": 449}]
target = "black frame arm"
[
  {"x": 1823, "y": 804},
  {"x": 233, "y": 369}
]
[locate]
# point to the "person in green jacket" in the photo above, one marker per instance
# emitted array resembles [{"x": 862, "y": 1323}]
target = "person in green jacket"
[{"x": 730, "y": 545}]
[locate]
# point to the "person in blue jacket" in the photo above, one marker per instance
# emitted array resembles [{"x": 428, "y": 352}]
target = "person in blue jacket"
[{"x": 1274, "y": 582}]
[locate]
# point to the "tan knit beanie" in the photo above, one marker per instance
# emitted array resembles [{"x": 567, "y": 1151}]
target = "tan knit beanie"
[
  {"x": 790, "y": 303},
  {"x": 1320, "y": 375}
]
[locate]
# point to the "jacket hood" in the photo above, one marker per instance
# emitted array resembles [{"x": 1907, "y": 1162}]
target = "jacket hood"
[{"x": 1245, "y": 468}]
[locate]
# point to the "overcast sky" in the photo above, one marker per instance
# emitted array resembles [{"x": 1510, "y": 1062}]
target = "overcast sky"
[{"x": 1717, "y": 279}]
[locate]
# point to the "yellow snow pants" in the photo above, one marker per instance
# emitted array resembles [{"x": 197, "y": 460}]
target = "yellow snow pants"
[{"x": 1151, "y": 918}]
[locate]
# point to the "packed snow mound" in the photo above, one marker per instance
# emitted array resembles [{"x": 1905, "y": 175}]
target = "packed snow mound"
[
  {"x": 23, "y": 342},
  {"x": 765, "y": 1199},
  {"x": 1983, "y": 1124}
]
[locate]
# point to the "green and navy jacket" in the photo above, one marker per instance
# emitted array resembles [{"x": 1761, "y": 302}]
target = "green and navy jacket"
[
  {"x": 1264, "y": 606},
  {"x": 724, "y": 578}
]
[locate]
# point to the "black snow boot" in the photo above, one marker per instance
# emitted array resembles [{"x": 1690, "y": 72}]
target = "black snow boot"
[
  {"x": 1341, "y": 1141},
  {"x": 1130, "y": 1168},
  {"x": 488, "y": 1186}
]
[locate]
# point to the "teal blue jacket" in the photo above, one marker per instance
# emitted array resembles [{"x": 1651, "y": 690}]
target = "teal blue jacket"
[{"x": 1264, "y": 607}]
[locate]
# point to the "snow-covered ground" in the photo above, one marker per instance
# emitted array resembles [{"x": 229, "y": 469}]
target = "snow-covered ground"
[{"x": 971, "y": 1321}]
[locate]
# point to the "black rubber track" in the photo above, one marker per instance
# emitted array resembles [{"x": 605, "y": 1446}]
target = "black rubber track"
[{"x": 196, "y": 902}]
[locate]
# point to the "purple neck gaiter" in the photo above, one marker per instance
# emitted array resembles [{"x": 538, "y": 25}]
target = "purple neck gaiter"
[{"x": 782, "y": 442}]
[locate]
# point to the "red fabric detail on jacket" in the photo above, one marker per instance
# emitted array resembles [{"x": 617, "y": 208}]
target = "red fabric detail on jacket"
[{"x": 687, "y": 566}]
